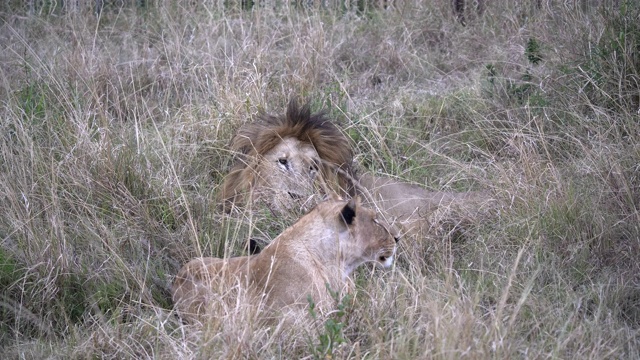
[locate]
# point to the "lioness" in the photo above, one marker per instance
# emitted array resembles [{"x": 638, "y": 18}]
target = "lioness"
[{"x": 321, "y": 249}]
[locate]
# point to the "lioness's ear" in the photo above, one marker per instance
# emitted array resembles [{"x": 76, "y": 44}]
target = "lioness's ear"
[
  {"x": 348, "y": 212},
  {"x": 254, "y": 247}
]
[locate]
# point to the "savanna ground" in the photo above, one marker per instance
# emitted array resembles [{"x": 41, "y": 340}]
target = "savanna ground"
[{"x": 113, "y": 144}]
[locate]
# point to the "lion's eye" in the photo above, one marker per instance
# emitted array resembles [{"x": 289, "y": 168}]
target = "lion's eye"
[
  {"x": 314, "y": 165},
  {"x": 284, "y": 162}
]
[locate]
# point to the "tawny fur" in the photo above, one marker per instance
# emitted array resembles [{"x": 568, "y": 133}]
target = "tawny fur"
[
  {"x": 321, "y": 249},
  {"x": 255, "y": 140}
]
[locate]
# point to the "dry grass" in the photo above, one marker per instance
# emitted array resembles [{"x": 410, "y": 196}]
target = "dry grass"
[{"x": 113, "y": 143}]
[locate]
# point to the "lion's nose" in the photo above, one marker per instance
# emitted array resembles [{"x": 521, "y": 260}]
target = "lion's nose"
[{"x": 313, "y": 169}]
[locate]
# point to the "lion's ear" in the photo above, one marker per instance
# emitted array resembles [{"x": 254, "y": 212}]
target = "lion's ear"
[{"x": 348, "y": 212}]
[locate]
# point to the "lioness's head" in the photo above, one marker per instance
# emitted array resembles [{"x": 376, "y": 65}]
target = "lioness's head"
[
  {"x": 287, "y": 161},
  {"x": 364, "y": 235}
]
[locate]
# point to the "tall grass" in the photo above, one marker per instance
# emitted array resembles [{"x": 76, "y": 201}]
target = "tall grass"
[{"x": 114, "y": 140}]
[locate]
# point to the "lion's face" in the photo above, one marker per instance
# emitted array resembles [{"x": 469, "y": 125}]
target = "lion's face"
[
  {"x": 288, "y": 162},
  {"x": 287, "y": 175}
]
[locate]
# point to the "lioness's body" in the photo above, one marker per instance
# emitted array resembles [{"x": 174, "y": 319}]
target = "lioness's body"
[{"x": 321, "y": 249}]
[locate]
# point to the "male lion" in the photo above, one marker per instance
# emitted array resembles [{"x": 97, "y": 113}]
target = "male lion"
[
  {"x": 283, "y": 159},
  {"x": 320, "y": 250}
]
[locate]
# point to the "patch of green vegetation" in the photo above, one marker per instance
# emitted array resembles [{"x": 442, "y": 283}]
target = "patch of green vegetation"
[
  {"x": 626, "y": 301},
  {"x": 515, "y": 92},
  {"x": 32, "y": 101},
  {"x": 45, "y": 118},
  {"x": 109, "y": 296},
  {"x": 9, "y": 270},
  {"x": 162, "y": 210},
  {"x": 522, "y": 89},
  {"x": 10, "y": 274},
  {"x": 161, "y": 294},
  {"x": 612, "y": 65},
  {"x": 533, "y": 51},
  {"x": 331, "y": 334},
  {"x": 72, "y": 297}
]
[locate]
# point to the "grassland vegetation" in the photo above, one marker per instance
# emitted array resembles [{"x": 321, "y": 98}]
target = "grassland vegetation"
[{"x": 114, "y": 142}]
